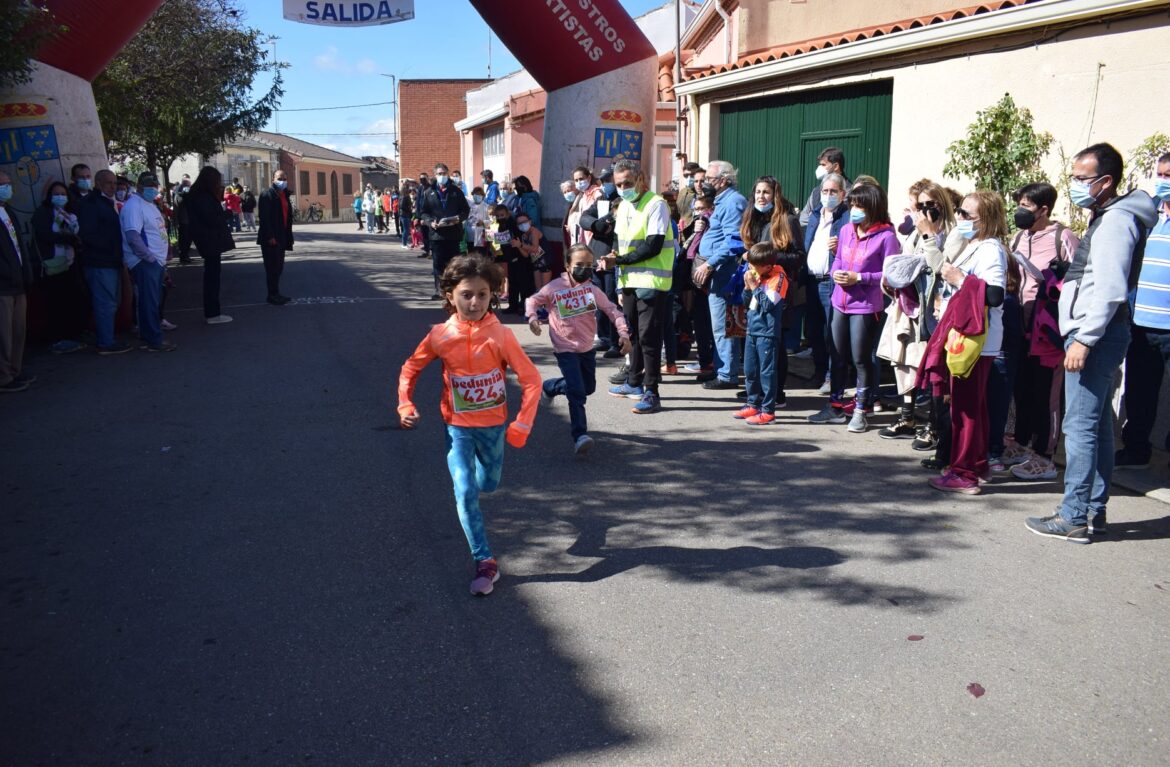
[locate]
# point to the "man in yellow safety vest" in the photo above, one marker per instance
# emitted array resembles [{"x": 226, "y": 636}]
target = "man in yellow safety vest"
[{"x": 644, "y": 254}]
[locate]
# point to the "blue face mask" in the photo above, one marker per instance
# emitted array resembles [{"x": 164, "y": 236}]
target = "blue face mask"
[
  {"x": 690, "y": 182},
  {"x": 84, "y": 184},
  {"x": 582, "y": 185},
  {"x": 765, "y": 208},
  {"x": 280, "y": 184},
  {"x": 59, "y": 200},
  {"x": 856, "y": 215},
  {"x": 629, "y": 195},
  {"x": 149, "y": 193},
  {"x": 1162, "y": 189},
  {"x": 607, "y": 189},
  {"x": 569, "y": 196},
  {"x": 5, "y": 192},
  {"x": 478, "y": 198},
  {"x": 1078, "y": 192},
  {"x": 830, "y": 201},
  {"x": 441, "y": 180},
  {"x": 525, "y": 227},
  {"x": 965, "y": 228}
]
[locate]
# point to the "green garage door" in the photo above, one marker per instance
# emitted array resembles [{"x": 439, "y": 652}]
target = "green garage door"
[{"x": 782, "y": 135}]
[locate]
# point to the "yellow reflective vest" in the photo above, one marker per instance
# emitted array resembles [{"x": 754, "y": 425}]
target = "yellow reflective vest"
[{"x": 630, "y": 228}]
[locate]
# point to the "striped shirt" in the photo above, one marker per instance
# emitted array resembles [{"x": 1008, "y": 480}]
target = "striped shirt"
[{"x": 1152, "y": 307}]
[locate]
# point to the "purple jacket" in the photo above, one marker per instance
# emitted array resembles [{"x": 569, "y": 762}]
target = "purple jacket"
[{"x": 864, "y": 256}]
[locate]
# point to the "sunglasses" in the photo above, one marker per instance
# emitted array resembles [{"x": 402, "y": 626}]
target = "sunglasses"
[
  {"x": 926, "y": 205},
  {"x": 965, "y": 215}
]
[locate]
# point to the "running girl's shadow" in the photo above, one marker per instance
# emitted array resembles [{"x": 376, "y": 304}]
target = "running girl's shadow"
[{"x": 694, "y": 563}]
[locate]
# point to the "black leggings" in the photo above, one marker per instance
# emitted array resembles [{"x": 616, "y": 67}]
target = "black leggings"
[{"x": 857, "y": 335}]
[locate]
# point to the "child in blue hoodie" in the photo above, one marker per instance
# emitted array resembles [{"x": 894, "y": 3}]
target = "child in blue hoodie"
[{"x": 765, "y": 288}]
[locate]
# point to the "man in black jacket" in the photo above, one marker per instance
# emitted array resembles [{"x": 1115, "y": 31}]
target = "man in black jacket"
[
  {"x": 274, "y": 235},
  {"x": 598, "y": 220},
  {"x": 101, "y": 258},
  {"x": 442, "y": 210},
  {"x": 16, "y": 274}
]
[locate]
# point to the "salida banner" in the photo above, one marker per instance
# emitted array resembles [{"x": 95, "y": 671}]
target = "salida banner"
[
  {"x": 563, "y": 42},
  {"x": 348, "y": 14}
]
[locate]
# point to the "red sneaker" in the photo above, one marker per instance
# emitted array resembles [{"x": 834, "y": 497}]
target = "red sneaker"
[
  {"x": 761, "y": 419},
  {"x": 670, "y": 370},
  {"x": 487, "y": 572},
  {"x": 745, "y": 412}
]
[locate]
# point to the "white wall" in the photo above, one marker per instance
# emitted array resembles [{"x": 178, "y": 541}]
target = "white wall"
[{"x": 497, "y": 91}]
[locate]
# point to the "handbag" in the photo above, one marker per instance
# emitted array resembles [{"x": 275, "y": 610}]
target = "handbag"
[
  {"x": 704, "y": 284},
  {"x": 964, "y": 351}
]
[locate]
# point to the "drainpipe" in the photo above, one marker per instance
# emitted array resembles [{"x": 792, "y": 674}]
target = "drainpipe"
[
  {"x": 726, "y": 31},
  {"x": 678, "y": 120}
]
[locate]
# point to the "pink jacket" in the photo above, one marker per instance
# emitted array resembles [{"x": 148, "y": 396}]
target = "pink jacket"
[{"x": 572, "y": 316}]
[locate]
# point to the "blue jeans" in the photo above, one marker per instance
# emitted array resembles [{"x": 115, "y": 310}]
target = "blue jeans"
[
  {"x": 404, "y": 225},
  {"x": 475, "y": 458},
  {"x": 103, "y": 290},
  {"x": 148, "y": 280},
  {"x": 1088, "y": 427},
  {"x": 760, "y": 374},
  {"x": 578, "y": 380},
  {"x": 1001, "y": 382},
  {"x": 817, "y": 323},
  {"x": 726, "y": 357}
]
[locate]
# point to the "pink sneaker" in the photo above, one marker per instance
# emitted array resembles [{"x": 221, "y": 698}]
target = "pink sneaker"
[
  {"x": 487, "y": 572},
  {"x": 953, "y": 483}
]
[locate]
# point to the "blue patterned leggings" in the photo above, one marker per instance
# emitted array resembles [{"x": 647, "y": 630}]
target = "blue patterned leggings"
[{"x": 475, "y": 457}]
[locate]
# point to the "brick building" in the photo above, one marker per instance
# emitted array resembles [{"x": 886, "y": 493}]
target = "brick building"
[{"x": 428, "y": 110}]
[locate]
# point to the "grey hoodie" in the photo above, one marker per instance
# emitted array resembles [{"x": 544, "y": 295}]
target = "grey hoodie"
[{"x": 1098, "y": 281}]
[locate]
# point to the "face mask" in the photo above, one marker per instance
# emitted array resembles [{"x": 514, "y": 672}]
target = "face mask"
[
  {"x": 690, "y": 182},
  {"x": 478, "y": 198},
  {"x": 441, "y": 180},
  {"x": 966, "y": 229},
  {"x": 5, "y": 192},
  {"x": 765, "y": 208},
  {"x": 569, "y": 196},
  {"x": 856, "y": 215},
  {"x": 456, "y": 179},
  {"x": 1162, "y": 189},
  {"x": 280, "y": 184},
  {"x": 59, "y": 200},
  {"x": 149, "y": 193},
  {"x": 1078, "y": 192},
  {"x": 120, "y": 195},
  {"x": 629, "y": 195},
  {"x": 525, "y": 227},
  {"x": 1024, "y": 218},
  {"x": 607, "y": 189},
  {"x": 582, "y": 185},
  {"x": 582, "y": 274},
  {"x": 84, "y": 184},
  {"x": 830, "y": 201},
  {"x": 821, "y": 172}
]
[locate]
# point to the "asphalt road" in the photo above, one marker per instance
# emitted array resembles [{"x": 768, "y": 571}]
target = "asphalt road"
[{"x": 230, "y": 555}]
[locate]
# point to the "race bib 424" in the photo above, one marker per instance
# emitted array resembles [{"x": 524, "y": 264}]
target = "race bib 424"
[{"x": 470, "y": 394}]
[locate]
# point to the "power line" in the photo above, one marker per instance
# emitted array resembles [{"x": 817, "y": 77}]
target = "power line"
[
  {"x": 348, "y": 106},
  {"x": 298, "y": 133}
]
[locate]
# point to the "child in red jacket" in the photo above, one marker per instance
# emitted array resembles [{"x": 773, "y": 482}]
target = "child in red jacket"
[{"x": 476, "y": 351}]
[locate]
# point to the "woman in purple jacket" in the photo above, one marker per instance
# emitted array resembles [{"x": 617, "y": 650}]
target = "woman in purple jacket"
[{"x": 862, "y": 248}]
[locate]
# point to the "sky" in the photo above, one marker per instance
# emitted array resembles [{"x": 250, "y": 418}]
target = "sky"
[{"x": 331, "y": 67}]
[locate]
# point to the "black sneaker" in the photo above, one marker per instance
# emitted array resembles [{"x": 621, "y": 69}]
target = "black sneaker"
[
  {"x": 706, "y": 376},
  {"x": 719, "y": 383},
  {"x": 118, "y": 347},
  {"x": 620, "y": 376},
  {"x": 13, "y": 386},
  {"x": 933, "y": 463},
  {"x": 781, "y": 400},
  {"x": 278, "y": 300},
  {"x": 901, "y": 429},
  {"x": 1055, "y": 527},
  {"x": 613, "y": 353},
  {"x": 1097, "y": 524},
  {"x": 1130, "y": 458},
  {"x": 924, "y": 439}
]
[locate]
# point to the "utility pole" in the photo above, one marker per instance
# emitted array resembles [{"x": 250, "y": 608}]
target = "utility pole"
[
  {"x": 276, "y": 112},
  {"x": 394, "y": 114},
  {"x": 489, "y": 54}
]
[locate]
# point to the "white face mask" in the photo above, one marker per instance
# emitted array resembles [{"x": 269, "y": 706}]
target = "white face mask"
[{"x": 821, "y": 172}]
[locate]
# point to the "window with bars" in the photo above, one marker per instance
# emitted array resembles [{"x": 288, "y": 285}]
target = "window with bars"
[
  {"x": 347, "y": 183},
  {"x": 320, "y": 182},
  {"x": 303, "y": 183},
  {"x": 493, "y": 140}
]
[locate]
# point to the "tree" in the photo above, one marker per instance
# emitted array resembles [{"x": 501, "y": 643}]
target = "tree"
[
  {"x": 25, "y": 27},
  {"x": 183, "y": 85},
  {"x": 1143, "y": 160},
  {"x": 1001, "y": 152}
]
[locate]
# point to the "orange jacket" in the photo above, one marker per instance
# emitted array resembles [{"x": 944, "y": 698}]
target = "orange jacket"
[{"x": 475, "y": 356}]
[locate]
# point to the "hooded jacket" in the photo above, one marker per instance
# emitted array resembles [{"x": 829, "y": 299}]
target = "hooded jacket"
[
  {"x": 1105, "y": 267},
  {"x": 572, "y": 313},
  {"x": 864, "y": 255},
  {"x": 476, "y": 356}
]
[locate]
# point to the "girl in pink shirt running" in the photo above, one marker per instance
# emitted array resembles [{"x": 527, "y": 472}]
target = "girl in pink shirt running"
[{"x": 572, "y": 302}]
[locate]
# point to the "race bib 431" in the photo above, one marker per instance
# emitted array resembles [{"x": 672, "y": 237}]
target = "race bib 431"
[
  {"x": 470, "y": 394},
  {"x": 574, "y": 301}
]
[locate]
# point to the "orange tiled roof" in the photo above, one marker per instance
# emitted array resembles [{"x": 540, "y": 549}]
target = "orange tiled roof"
[{"x": 788, "y": 50}]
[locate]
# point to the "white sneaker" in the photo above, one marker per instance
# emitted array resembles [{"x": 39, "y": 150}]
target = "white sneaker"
[
  {"x": 219, "y": 319},
  {"x": 168, "y": 325},
  {"x": 584, "y": 442},
  {"x": 859, "y": 422}
]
